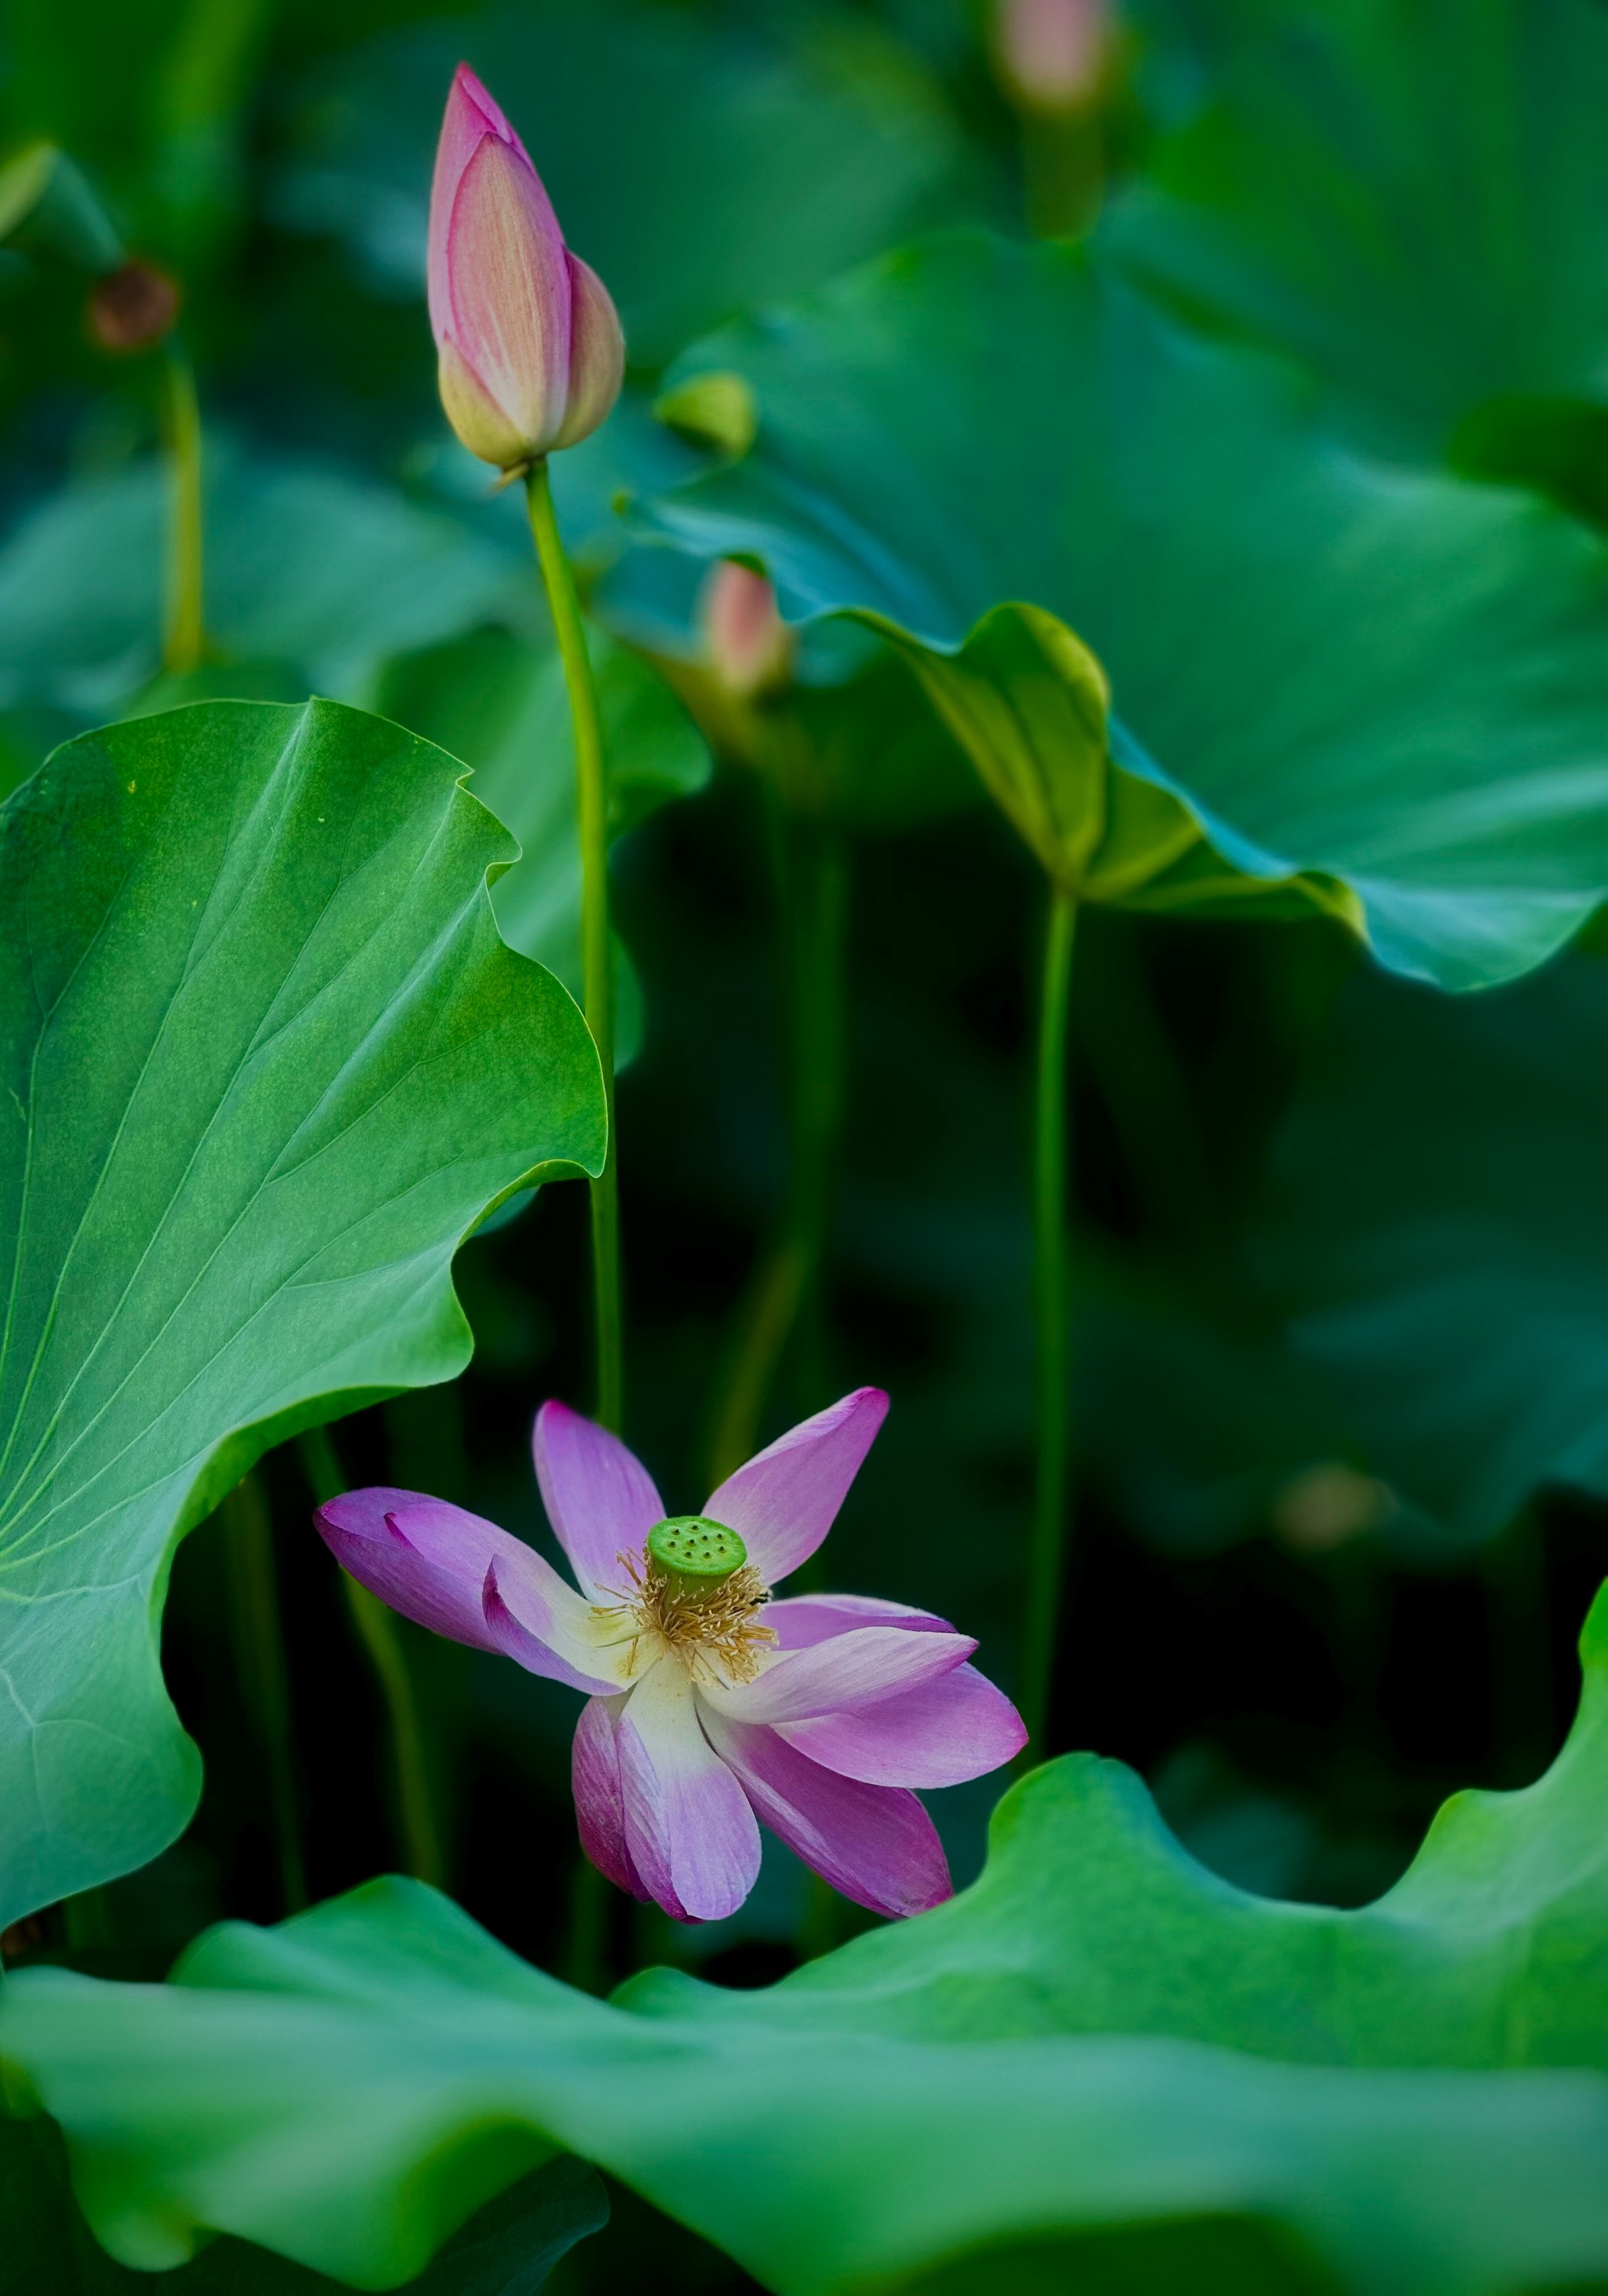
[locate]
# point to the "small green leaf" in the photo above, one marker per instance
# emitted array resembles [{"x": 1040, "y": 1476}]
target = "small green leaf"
[
  {"x": 265, "y": 1061},
  {"x": 716, "y": 410},
  {"x": 1028, "y": 702},
  {"x": 1376, "y": 680},
  {"x": 1101, "y": 2066}
]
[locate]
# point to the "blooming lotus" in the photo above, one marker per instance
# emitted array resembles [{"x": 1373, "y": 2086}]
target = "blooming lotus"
[
  {"x": 530, "y": 350},
  {"x": 710, "y": 1705}
]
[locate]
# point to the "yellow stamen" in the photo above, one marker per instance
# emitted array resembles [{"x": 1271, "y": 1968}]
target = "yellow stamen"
[{"x": 716, "y": 1632}]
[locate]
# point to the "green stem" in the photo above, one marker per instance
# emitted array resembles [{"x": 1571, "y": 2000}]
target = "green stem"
[
  {"x": 184, "y": 638},
  {"x": 86, "y": 1918},
  {"x": 785, "y": 1294},
  {"x": 376, "y": 1630},
  {"x": 1047, "y": 1562},
  {"x": 259, "y": 1659},
  {"x": 592, "y": 807},
  {"x": 585, "y": 1950},
  {"x": 1062, "y": 165}
]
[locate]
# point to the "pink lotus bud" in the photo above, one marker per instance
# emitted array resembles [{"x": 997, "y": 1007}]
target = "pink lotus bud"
[
  {"x": 750, "y": 645},
  {"x": 531, "y": 354},
  {"x": 1054, "y": 52}
]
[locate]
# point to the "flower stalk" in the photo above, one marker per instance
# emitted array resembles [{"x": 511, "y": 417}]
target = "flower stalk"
[
  {"x": 184, "y": 636},
  {"x": 255, "y": 1631},
  {"x": 592, "y": 808},
  {"x": 1047, "y": 1567},
  {"x": 376, "y": 1630},
  {"x": 1057, "y": 60},
  {"x": 785, "y": 1296}
]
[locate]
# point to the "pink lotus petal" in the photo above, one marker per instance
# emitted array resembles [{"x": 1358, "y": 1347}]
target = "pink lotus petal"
[
  {"x": 599, "y": 1496},
  {"x": 597, "y": 354},
  {"x": 689, "y": 1831},
  {"x": 939, "y": 1734},
  {"x": 853, "y": 1669},
  {"x": 877, "y": 1844},
  {"x": 525, "y": 1624},
  {"x": 508, "y": 291},
  {"x": 474, "y": 414},
  {"x": 470, "y": 114},
  {"x": 797, "y": 1620},
  {"x": 599, "y": 1804},
  {"x": 423, "y": 1557},
  {"x": 784, "y": 1501}
]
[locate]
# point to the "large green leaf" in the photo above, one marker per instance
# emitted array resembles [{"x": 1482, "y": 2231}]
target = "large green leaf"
[
  {"x": 1100, "y": 2068},
  {"x": 501, "y": 704},
  {"x": 698, "y": 172},
  {"x": 1411, "y": 196},
  {"x": 265, "y": 1062},
  {"x": 507, "y": 2249},
  {"x": 1439, "y": 1230},
  {"x": 306, "y": 564},
  {"x": 1393, "y": 680}
]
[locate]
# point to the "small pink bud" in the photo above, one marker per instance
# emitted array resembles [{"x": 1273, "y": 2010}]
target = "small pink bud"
[
  {"x": 532, "y": 353},
  {"x": 750, "y": 645},
  {"x": 1054, "y": 52}
]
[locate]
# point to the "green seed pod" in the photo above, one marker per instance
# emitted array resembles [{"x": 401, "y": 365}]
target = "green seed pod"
[{"x": 694, "y": 1555}]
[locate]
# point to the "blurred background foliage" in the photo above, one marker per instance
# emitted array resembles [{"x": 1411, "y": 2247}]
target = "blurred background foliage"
[{"x": 1340, "y": 1257}]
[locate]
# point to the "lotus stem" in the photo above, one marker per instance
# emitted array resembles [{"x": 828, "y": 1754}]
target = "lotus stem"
[
  {"x": 264, "y": 1677},
  {"x": 376, "y": 1628},
  {"x": 785, "y": 1296},
  {"x": 1046, "y": 1569},
  {"x": 184, "y": 637},
  {"x": 596, "y": 955}
]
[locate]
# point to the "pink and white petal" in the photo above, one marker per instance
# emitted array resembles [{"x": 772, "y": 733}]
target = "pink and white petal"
[
  {"x": 875, "y": 1844},
  {"x": 426, "y": 1559},
  {"x": 471, "y": 113},
  {"x": 508, "y": 284},
  {"x": 599, "y": 1800},
  {"x": 784, "y": 1501},
  {"x": 688, "y": 1827},
  {"x": 522, "y": 1625},
  {"x": 474, "y": 414},
  {"x": 599, "y": 1496},
  {"x": 958, "y": 1727},
  {"x": 473, "y": 89},
  {"x": 853, "y": 1669},
  {"x": 597, "y": 354},
  {"x": 799, "y": 1619}
]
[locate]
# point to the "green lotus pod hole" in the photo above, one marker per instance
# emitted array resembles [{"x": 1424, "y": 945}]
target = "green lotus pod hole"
[{"x": 695, "y": 1553}]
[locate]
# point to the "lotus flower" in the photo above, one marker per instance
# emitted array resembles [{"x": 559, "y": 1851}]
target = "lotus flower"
[
  {"x": 531, "y": 354},
  {"x": 709, "y": 1706}
]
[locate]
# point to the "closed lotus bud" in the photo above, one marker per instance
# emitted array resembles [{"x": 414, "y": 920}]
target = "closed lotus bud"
[
  {"x": 532, "y": 353},
  {"x": 749, "y": 646},
  {"x": 1054, "y": 52},
  {"x": 133, "y": 307}
]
